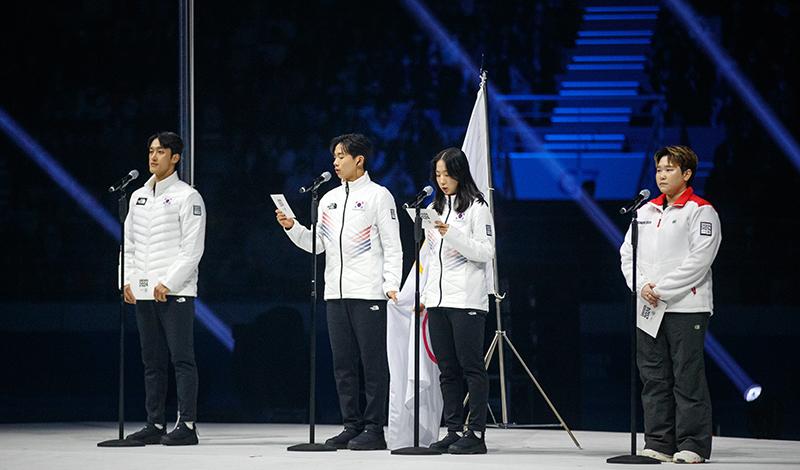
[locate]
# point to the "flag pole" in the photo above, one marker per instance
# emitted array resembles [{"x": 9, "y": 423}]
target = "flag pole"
[{"x": 500, "y": 333}]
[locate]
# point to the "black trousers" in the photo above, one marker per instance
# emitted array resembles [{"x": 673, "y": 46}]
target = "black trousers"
[
  {"x": 166, "y": 333},
  {"x": 357, "y": 330},
  {"x": 675, "y": 398},
  {"x": 457, "y": 340}
]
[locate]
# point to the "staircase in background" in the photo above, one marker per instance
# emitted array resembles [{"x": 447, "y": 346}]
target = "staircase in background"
[{"x": 603, "y": 122}]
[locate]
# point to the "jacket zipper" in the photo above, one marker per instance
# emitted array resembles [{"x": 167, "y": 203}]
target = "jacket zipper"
[
  {"x": 341, "y": 232},
  {"x": 441, "y": 245}
]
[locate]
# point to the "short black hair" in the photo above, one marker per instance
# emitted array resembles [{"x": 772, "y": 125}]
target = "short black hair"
[
  {"x": 680, "y": 155},
  {"x": 168, "y": 140},
  {"x": 353, "y": 144}
]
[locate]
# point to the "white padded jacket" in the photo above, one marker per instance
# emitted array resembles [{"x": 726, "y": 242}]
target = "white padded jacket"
[{"x": 165, "y": 235}]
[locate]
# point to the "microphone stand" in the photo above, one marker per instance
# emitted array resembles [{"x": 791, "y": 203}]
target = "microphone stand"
[
  {"x": 632, "y": 458},
  {"x": 121, "y": 441},
  {"x": 311, "y": 446},
  {"x": 418, "y": 237}
]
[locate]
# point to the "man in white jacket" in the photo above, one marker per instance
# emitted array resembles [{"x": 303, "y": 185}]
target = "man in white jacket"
[
  {"x": 164, "y": 241},
  {"x": 679, "y": 236},
  {"x": 360, "y": 235}
]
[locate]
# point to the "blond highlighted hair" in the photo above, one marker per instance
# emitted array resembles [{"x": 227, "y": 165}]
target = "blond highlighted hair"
[{"x": 679, "y": 155}]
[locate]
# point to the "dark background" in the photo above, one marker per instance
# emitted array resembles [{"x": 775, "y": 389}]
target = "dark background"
[{"x": 90, "y": 81}]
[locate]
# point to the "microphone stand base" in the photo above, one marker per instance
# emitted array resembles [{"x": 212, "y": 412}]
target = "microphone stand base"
[
  {"x": 310, "y": 447},
  {"x": 633, "y": 460},
  {"x": 121, "y": 443},
  {"x": 416, "y": 451}
]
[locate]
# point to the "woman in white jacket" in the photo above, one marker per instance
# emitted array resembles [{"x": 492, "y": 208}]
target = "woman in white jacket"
[{"x": 456, "y": 296}]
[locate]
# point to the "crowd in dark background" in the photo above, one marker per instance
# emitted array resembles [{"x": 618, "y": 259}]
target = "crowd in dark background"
[{"x": 274, "y": 82}]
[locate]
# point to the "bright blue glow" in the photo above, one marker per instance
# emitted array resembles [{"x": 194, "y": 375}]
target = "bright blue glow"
[
  {"x": 605, "y": 66},
  {"x": 752, "y": 393},
  {"x": 584, "y": 146},
  {"x": 615, "y": 33},
  {"x": 612, "y": 42},
  {"x": 749, "y": 389},
  {"x": 597, "y": 110},
  {"x": 636, "y": 156},
  {"x": 623, "y": 92},
  {"x": 583, "y": 137},
  {"x": 620, "y": 17},
  {"x": 622, "y": 9},
  {"x": 585, "y": 118},
  {"x": 53, "y": 169},
  {"x": 609, "y": 58},
  {"x": 97, "y": 212},
  {"x": 529, "y": 137},
  {"x": 599, "y": 84},
  {"x": 736, "y": 79}
]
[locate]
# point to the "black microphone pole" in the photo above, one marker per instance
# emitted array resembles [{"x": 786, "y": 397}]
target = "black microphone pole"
[
  {"x": 418, "y": 237},
  {"x": 121, "y": 441},
  {"x": 311, "y": 446},
  {"x": 632, "y": 458}
]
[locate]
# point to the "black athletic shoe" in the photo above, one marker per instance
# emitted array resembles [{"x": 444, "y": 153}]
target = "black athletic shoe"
[
  {"x": 367, "y": 440},
  {"x": 181, "y": 436},
  {"x": 448, "y": 440},
  {"x": 468, "y": 444},
  {"x": 340, "y": 441},
  {"x": 149, "y": 434}
]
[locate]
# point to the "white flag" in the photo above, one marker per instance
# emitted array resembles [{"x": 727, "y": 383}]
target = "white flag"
[
  {"x": 476, "y": 148},
  {"x": 400, "y": 351}
]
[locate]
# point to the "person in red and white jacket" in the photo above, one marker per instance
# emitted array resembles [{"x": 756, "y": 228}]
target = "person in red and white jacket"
[
  {"x": 457, "y": 297},
  {"x": 679, "y": 236}
]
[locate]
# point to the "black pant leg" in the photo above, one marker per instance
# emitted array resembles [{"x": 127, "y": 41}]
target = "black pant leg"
[
  {"x": 155, "y": 358},
  {"x": 658, "y": 403},
  {"x": 369, "y": 324},
  {"x": 693, "y": 425},
  {"x": 451, "y": 378},
  {"x": 468, "y": 333},
  {"x": 177, "y": 320},
  {"x": 345, "y": 362}
]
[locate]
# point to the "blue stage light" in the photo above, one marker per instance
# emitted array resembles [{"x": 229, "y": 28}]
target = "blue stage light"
[
  {"x": 96, "y": 211},
  {"x": 725, "y": 64},
  {"x": 749, "y": 389}
]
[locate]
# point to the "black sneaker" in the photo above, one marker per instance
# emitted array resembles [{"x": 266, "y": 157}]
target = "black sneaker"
[
  {"x": 149, "y": 434},
  {"x": 367, "y": 440},
  {"x": 181, "y": 436},
  {"x": 449, "y": 439},
  {"x": 468, "y": 444},
  {"x": 340, "y": 441}
]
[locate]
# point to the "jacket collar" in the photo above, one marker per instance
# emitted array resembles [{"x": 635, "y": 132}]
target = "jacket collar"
[
  {"x": 359, "y": 183},
  {"x": 162, "y": 185},
  {"x": 680, "y": 202}
]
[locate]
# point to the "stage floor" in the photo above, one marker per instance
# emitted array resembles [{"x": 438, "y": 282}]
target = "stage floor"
[{"x": 72, "y": 446}]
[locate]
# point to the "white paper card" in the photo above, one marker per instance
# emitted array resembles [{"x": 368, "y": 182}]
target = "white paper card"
[
  {"x": 143, "y": 287},
  {"x": 648, "y": 318},
  {"x": 283, "y": 205},
  {"x": 427, "y": 216}
]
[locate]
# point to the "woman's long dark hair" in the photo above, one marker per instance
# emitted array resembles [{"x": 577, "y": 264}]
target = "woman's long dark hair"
[{"x": 458, "y": 168}]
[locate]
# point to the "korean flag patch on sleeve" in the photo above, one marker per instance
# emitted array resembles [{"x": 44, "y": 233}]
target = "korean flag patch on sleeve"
[
  {"x": 488, "y": 230},
  {"x": 197, "y": 210},
  {"x": 705, "y": 229}
]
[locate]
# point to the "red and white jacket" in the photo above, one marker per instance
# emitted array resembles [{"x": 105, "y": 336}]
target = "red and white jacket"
[{"x": 677, "y": 246}]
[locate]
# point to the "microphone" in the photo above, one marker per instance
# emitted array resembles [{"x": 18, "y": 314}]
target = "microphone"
[
  {"x": 640, "y": 198},
  {"x": 323, "y": 178},
  {"x": 426, "y": 191},
  {"x": 124, "y": 181}
]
